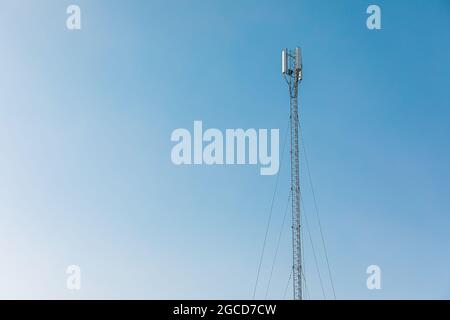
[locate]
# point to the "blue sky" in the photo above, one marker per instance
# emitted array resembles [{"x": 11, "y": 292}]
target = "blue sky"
[{"x": 86, "y": 175}]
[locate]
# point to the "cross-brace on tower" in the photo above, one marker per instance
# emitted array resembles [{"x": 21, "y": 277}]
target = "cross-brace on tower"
[{"x": 291, "y": 66}]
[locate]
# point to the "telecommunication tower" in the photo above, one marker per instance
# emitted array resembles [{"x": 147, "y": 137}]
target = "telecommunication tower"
[{"x": 291, "y": 68}]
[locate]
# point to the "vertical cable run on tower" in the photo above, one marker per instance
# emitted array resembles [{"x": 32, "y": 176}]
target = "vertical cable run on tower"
[{"x": 292, "y": 72}]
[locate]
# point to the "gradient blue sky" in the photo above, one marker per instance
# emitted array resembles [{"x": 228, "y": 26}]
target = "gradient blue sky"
[{"x": 85, "y": 170}]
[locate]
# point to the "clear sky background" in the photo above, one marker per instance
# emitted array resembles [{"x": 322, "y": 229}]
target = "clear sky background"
[{"x": 86, "y": 176}]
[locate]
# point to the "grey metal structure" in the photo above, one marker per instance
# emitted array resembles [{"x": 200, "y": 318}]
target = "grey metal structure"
[{"x": 291, "y": 68}]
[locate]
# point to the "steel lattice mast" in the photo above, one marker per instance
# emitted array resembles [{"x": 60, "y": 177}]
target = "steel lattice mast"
[{"x": 292, "y": 73}]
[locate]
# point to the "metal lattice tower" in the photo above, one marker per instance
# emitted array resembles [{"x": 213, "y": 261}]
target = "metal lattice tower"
[{"x": 292, "y": 73}]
